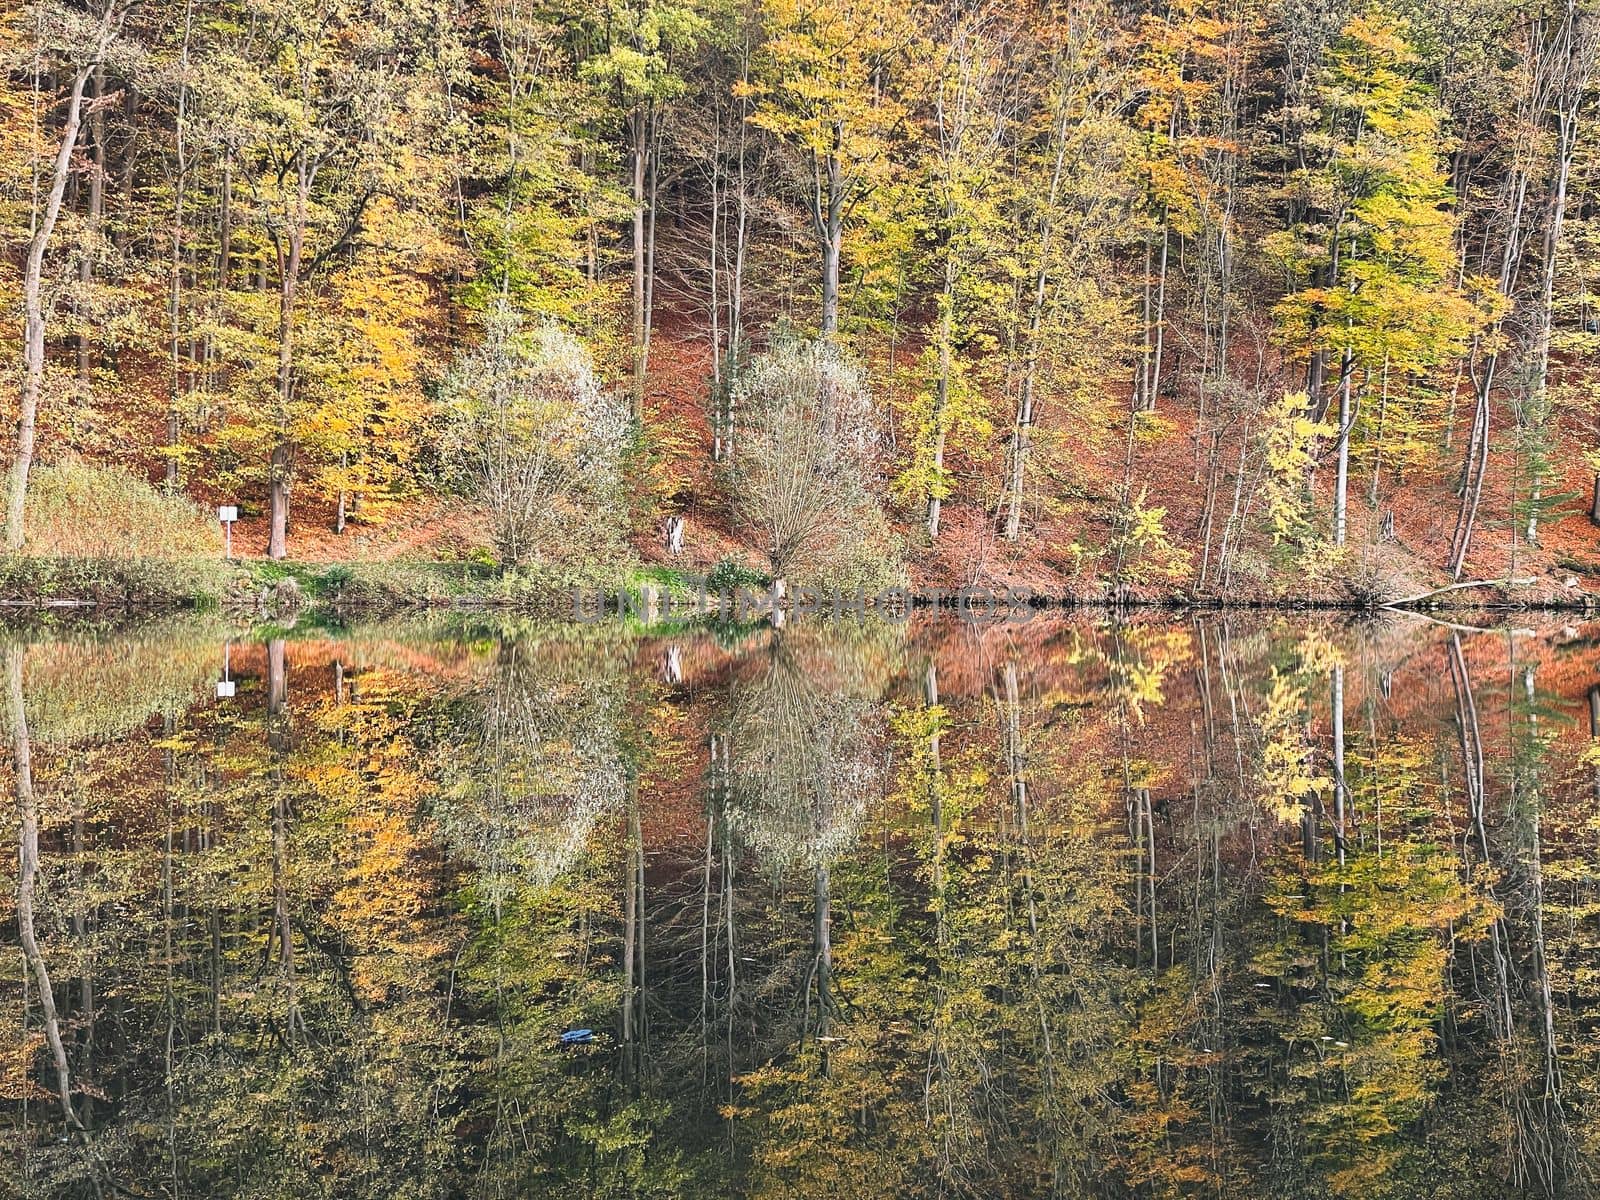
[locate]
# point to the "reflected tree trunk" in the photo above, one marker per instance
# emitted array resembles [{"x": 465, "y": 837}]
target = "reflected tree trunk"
[
  {"x": 633, "y": 1018},
  {"x": 1530, "y": 1148},
  {"x": 278, "y": 744},
  {"x": 822, "y": 968},
  {"x": 1594, "y": 731},
  {"x": 27, "y": 878},
  {"x": 1341, "y": 789}
]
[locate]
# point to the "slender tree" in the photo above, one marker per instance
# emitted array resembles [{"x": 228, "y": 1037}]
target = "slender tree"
[{"x": 84, "y": 44}]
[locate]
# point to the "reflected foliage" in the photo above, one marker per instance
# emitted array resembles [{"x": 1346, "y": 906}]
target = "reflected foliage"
[{"x": 1072, "y": 908}]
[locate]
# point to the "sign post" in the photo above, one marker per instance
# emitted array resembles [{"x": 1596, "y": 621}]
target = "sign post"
[
  {"x": 228, "y": 514},
  {"x": 225, "y": 685}
]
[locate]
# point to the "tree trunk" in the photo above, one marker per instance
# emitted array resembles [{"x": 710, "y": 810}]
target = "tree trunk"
[
  {"x": 281, "y": 462},
  {"x": 1475, "y": 469},
  {"x": 1341, "y": 490},
  {"x": 1377, "y": 456},
  {"x": 1141, "y": 378},
  {"x": 28, "y": 860},
  {"x": 827, "y": 216},
  {"x": 831, "y": 251},
  {"x": 638, "y": 127},
  {"x": 175, "y": 293},
  {"x": 715, "y": 222},
  {"x": 278, "y": 503},
  {"x": 33, "y": 318},
  {"x": 653, "y": 178},
  {"x": 225, "y": 224},
  {"x": 941, "y": 397},
  {"x": 1578, "y": 67},
  {"x": 1021, "y": 442},
  {"x": 97, "y": 203},
  {"x": 1147, "y": 402},
  {"x": 1022, "y": 436},
  {"x": 128, "y": 170}
]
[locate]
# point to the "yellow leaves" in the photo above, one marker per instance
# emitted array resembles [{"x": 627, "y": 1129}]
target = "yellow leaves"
[
  {"x": 1153, "y": 428},
  {"x": 950, "y": 418},
  {"x": 1319, "y": 654},
  {"x": 360, "y": 336},
  {"x": 363, "y": 768},
  {"x": 1382, "y": 225},
  {"x": 821, "y": 80},
  {"x": 638, "y": 62},
  {"x": 1140, "y": 662},
  {"x": 381, "y": 900},
  {"x": 1377, "y": 34},
  {"x": 917, "y": 724},
  {"x": 1143, "y": 549},
  {"x": 1285, "y": 780},
  {"x": 1288, "y": 435},
  {"x": 18, "y": 1052},
  {"x": 1182, "y": 63}
]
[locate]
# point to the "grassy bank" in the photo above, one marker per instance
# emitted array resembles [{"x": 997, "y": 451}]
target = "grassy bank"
[
  {"x": 151, "y": 584},
  {"x": 146, "y": 584},
  {"x": 277, "y": 589}
]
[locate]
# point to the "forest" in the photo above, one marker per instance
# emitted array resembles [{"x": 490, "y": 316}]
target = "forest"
[
  {"x": 458, "y": 310},
  {"x": 1201, "y": 299}
]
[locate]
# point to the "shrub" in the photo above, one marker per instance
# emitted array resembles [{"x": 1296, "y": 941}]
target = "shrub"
[
  {"x": 390, "y": 586},
  {"x": 143, "y": 583},
  {"x": 729, "y": 574},
  {"x": 805, "y": 458},
  {"x": 864, "y": 555},
  {"x": 1379, "y": 575},
  {"x": 81, "y": 510},
  {"x": 536, "y": 439}
]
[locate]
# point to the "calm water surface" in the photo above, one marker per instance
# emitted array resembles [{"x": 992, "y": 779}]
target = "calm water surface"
[{"x": 1233, "y": 908}]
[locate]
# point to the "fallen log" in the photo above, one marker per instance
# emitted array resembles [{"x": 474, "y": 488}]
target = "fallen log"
[{"x": 1456, "y": 587}]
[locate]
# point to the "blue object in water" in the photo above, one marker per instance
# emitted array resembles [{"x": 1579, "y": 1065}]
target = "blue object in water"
[{"x": 577, "y": 1037}]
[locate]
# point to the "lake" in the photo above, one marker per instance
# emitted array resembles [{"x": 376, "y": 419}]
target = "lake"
[{"x": 1240, "y": 905}]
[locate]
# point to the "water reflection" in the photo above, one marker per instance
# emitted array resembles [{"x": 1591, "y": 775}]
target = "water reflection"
[
  {"x": 540, "y": 762},
  {"x": 1229, "y": 908}
]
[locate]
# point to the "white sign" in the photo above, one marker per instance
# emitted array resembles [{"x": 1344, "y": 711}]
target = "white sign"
[
  {"x": 228, "y": 512},
  {"x": 224, "y": 688}
]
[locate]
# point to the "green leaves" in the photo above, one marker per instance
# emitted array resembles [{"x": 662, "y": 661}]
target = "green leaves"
[{"x": 646, "y": 52}]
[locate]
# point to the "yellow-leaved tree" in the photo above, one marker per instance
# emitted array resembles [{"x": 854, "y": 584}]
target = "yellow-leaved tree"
[
  {"x": 1373, "y": 263},
  {"x": 825, "y": 85}
]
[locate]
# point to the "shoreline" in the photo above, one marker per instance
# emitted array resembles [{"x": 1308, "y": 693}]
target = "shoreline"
[{"x": 271, "y": 590}]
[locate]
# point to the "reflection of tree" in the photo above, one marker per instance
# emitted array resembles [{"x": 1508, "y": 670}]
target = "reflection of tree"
[
  {"x": 802, "y": 739},
  {"x": 86, "y": 689},
  {"x": 1355, "y": 970},
  {"x": 71, "y": 695},
  {"x": 979, "y": 969},
  {"x": 530, "y": 771},
  {"x": 1024, "y": 992},
  {"x": 1514, "y": 986},
  {"x": 28, "y": 861},
  {"x": 801, "y": 734},
  {"x": 541, "y": 763}
]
